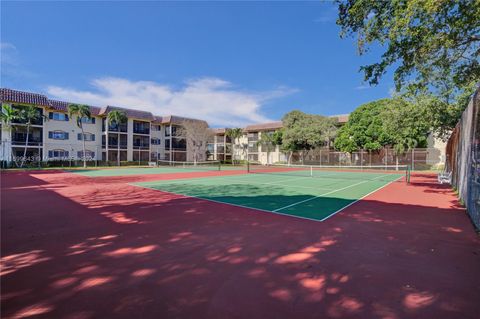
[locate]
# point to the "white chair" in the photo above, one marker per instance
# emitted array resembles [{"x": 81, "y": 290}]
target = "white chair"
[
  {"x": 445, "y": 177},
  {"x": 152, "y": 164}
]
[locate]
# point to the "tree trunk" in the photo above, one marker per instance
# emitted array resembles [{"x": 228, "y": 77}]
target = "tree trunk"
[
  {"x": 26, "y": 146},
  {"x": 84, "y": 149}
]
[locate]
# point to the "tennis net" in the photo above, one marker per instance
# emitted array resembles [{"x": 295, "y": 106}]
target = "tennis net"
[
  {"x": 207, "y": 165},
  {"x": 380, "y": 172}
]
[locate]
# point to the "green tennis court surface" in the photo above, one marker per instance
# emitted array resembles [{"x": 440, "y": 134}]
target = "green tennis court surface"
[
  {"x": 297, "y": 195},
  {"x": 124, "y": 171}
]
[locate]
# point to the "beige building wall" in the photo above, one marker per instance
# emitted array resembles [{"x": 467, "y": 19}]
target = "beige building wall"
[{"x": 72, "y": 145}]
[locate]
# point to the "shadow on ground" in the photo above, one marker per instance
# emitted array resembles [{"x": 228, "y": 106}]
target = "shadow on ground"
[{"x": 81, "y": 249}]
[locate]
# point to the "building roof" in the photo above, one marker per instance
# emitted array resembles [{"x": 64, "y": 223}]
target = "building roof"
[
  {"x": 264, "y": 126},
  {"x": 173, "y": 119},
  {"x": 219, "y": 131},
  {"x": 15, "y": 96},
  {"x": 63, "y": 106},
  {"x": 130, "y": 113},
  {"x": 342, "y": 118}
]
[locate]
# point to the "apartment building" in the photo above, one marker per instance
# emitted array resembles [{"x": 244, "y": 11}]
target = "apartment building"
[
  {"x": 247, "y": 147},
  {"x": 54, "y": 136}
]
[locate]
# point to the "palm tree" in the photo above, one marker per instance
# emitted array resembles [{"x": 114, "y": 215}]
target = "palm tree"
[
  {"x": 116, "y": 117},
  {"x": 28, "y": 115},
  {"x": 7, "y": 116},
  {"x": 234, "y": 133},
  {"x": 81, "y": 111}
]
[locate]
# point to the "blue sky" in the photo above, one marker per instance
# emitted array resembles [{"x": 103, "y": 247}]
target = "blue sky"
[{"x": 231, "y": 63}]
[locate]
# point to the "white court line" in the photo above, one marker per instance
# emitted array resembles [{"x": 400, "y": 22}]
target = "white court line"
[
  {"x": 264, "y": 210},
  {"x": 226, "y": 203},
  {"x": 376, "y": 190},
  {"x": 328, "y": 193},
  {"x": 286, "y": 180},
  {"x": 232, "y": 177}
]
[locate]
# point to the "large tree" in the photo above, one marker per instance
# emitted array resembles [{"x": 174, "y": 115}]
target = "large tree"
[
  {"x": 303, "y": 132},
  {"x": 234, "y": 134},
  {"x": 197, "y": 134},
  {"x": 395, "y": 123},
  {"x": 28, "y": 115},
  {"x": 117, "y": 117},
  {"x": 433, "y": 44},
  {"x": 81, "y": 112}
]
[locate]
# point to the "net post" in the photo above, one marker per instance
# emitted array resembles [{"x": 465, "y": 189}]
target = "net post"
[
  {"x": 407, "y": 173},
  {"x": 311, "y": 171},
  {"x": 248, "y": 166},
  {"x": 219, "y": 165}
]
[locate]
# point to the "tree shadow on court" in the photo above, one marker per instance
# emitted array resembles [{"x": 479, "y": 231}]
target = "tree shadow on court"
[{"x": 190, "y": 258}]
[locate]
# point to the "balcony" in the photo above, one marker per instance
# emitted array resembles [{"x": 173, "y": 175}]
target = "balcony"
[
  {"x": 122, "y": 128},
  {"x": 19, "y": 136},
  {"x": 141, "y": 127},
  {"x": 141, "y": 142},
  {"x": 141, "y": 146},
  {"x": 31, "y": 141}
]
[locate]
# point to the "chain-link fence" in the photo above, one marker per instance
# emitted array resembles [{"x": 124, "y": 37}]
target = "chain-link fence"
[
  {"x": 416, "y": 159},
  {"x": 19, "y": 154},
  {"x": 463, "y": 158}
]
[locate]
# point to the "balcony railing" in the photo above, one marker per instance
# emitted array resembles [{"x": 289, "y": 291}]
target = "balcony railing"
[
  {"x": 31, "y": 141},
  {"x": 141, "y": 145},
  {"x": 141, "y": 130},
  {"x": 115, "y": 145},
  {"x": 118, "y": 128}
]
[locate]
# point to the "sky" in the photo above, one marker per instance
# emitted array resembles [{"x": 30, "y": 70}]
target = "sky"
[{"x": 230, "y": 63}]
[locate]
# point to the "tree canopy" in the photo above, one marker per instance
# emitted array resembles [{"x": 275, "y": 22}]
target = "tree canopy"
[
  {"x": 433, "y": 44},
  {"x": 303, "y": 132},
  {"x": 387, "y": 122}
]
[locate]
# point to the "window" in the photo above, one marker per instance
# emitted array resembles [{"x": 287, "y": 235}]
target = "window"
[
  {"x": 58, "y": 135},
  {"x": 176, "y": 131},
  {"x": 87, "y": 120},
  {"x": 179, "y": 144},
  {"x": 58, "y": 116},
  {"x": 167, "y": 143},
  {"x": 141, "y": 127},
  {"x": 88, "y": 137},
  {"x": 57, "y": 153},
  {"x": 88, "y": 154},
  {"x": 141, "y": 141},
  {"x": 252, "y": 137},
  {"x": 168, "y": 130},
  {"x": 156, "y": 141},
  {"x": 156, "y": 127}
]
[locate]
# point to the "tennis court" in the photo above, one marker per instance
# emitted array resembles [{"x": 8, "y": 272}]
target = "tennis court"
[
  {"x": 162, "y": 167},
  {"x": 310, "y": 192}
]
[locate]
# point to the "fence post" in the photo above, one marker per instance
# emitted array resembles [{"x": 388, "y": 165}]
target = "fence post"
[
  {"x": 413, "y": 159},
  {"x": 386, "y": 158}
]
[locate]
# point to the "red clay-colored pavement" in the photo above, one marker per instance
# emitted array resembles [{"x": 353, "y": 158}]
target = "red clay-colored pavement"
[{"x": 76, "y": 247}]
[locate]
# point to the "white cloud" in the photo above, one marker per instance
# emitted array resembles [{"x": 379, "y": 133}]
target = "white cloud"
[
  {"x": 10, "y": 63},
  {"x": 363, "y": 87},
  {"x": 212, "y": 99}
]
